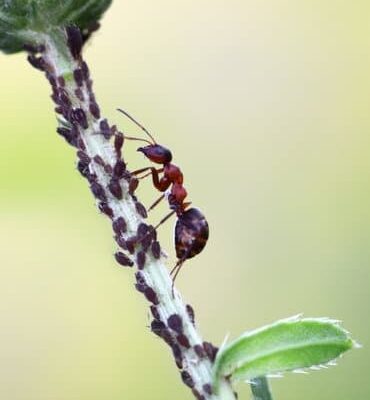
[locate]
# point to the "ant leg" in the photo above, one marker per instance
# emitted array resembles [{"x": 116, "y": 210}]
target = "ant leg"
[
  {"x": 156, "y": 202},
  {"x": 145, "y": 176},
  {"x": 176, "y": 271},
  {"x": 162, "y": 221},
  {"x": 173, "y": 269},
  {"x": 140, "y": 171},
  {"x": 162, "y": 184}
]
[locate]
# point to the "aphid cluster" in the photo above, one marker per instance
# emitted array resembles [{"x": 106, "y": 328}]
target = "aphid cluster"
[
  {"x": 172, "y": 332},
  {"x": 76, "y": 117},
  {"x": 191, "y": 230}
]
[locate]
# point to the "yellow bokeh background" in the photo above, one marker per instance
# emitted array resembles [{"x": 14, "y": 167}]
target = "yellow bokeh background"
[{"x": 265, "y": 106}]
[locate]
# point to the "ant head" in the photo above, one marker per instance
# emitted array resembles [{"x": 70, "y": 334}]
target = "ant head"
[{"x": 156, "y": 153}]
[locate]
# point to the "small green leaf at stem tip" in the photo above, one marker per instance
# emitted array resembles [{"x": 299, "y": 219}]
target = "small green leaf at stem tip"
[
  {"x": 291, "y": 344},
  {"x": 22, "y": 20}
]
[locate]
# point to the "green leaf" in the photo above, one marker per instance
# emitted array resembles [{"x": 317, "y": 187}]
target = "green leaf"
[
  {"x": 287, "y": 345},
  {"x": 22, "y": 20}
]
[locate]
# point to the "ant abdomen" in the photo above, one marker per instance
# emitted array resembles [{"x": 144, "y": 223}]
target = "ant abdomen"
[{"x": 191, "y": 234}]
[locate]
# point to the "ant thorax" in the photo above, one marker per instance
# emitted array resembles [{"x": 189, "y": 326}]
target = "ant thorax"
[{"x": 173, "y": 173}]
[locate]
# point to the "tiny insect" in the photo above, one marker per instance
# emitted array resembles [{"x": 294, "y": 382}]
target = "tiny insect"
[{"x": 191, "y": 229}]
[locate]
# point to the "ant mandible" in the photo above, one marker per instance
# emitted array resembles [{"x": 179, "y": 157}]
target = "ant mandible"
[{"x": 191, "y": 230}]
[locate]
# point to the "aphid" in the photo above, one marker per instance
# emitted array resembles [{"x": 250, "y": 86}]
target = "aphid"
[
  {"x": 99, "y": 160},
  {"x": 78, "y": 77},
  {"x": 94, "y": 109},
  {"x": 85, "y": 70},
  {"x": 140, "y": 259},
  {"x": 157, "y": 327},
  {"x": 208, "y": 388},
  {"x": 187, "y": 379},
  {"x": 197, "y": 395},
  {"x": 78, "y": 115},
  {"x": 156, "y": 249},
  {"x": 199, "y": 350},
  {"x": 83, "y": 169},
  {"x": 151, "y": 295},
  {"x": 119, "y": 169},
  {"x": 37, "y": 62},
  {"x": 130, "y": 244},
  {"x": 98, "y": 191},
  {"x": 75, "y": 41},
  {"x": 183, "y": 340},
  {"x": 141, "y": 210},
  {"x": 174, "y": 321},
  {"x": 118, "y": 143},
  {"x": 134, "y": 183},
  {"x": 68, "y": 134},
  {"x": 119, "y": 225},
  {"x": 210, "y": 350},
  {"x": 190, "y": 311},
  {"x": 177, "y": 353},
  {"x": 155, "y": 313},
  {"x": 104, "y": 208},
  {"x": 141, "y": 284},
  {"x": 64, "y": 100},
  {"x": 121, "y": 242},
  {"x": 122, "y": 259},
  {"x": 105, "y": 129},
  {"x": 83, "y": 157},
  {"x": 167, "y": 337},
  {"x": 191, "y": 230},
  {"x": 80, "y": 143},
  {"x": 115, "y": 188},
  {"x": 142, "y": 229},
  {"x": 146, "y": 241}
]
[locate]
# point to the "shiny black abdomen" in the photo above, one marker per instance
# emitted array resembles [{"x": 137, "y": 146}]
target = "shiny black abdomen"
[{"x": 191, "y": 233}]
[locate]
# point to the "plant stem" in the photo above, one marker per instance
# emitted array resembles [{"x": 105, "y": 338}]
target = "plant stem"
[
  {"x": 260, "y": 389},
  {"x": 82, "y": 126}
]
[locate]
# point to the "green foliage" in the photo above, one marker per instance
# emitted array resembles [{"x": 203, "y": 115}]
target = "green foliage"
[
  {"x": 22, "y": 20},
  {"x": 286, "y": 345}
]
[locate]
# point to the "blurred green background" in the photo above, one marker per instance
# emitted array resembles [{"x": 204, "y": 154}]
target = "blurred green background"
[{"x": 266, "y": 108}]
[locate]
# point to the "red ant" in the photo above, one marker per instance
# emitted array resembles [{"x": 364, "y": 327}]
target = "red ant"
[{"x": 191, "y": 230}]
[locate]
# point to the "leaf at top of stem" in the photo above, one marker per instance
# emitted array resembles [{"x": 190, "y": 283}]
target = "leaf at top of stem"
[
  {"x": 22, "y": 20},
  {"x": 287, "y": 345}
]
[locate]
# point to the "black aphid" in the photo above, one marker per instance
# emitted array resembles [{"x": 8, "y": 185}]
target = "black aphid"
[
  {"x": 175, "y": 323},
  {"x": 123, "y": 260},
  {"x": 187, "y": 379},
  {"x": 115, "y": 188},
  {"x": 119, "y": 226},
  {"x": 140, "y": 259},
  {"x": 151, "y": 295},
  {"x": 75, "y": 41}
]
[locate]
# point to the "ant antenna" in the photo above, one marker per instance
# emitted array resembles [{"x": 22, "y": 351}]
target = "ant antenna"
[
  {"x": 138, "y": 139},
  {"x": 137, "y": 123}
]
